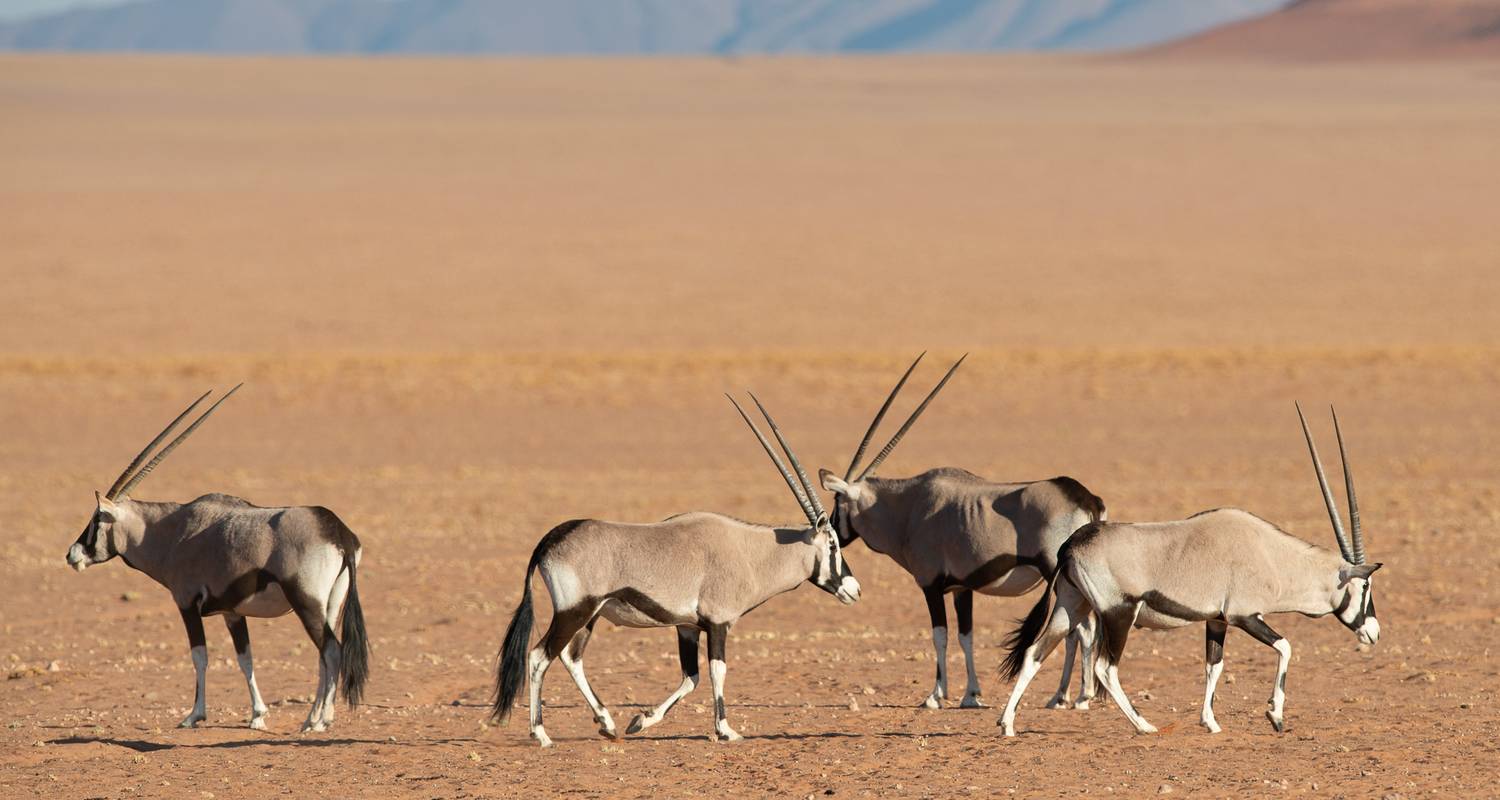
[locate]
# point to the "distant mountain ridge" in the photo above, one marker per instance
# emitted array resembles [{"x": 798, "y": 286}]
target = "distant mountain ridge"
[
  {"x": 1322, "y": 30},
  {"x": 602, "y": 27}
]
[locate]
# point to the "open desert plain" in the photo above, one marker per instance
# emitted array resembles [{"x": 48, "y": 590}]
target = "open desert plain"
[{"x": 471, "y": 299}]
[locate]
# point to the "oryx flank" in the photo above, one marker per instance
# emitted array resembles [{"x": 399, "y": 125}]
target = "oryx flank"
[
  {"x": 220, "y": 555},
  {"x": 956, "y": 532},
  {"x": 698, "y": 572},
  {"x": 1224, "y": 568}
]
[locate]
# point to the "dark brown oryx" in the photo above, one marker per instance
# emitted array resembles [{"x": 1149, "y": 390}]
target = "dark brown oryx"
[
  {"x": 221, "y": 555},
  {"x": 1225, "y": 568},
  {"x": 698, "y": 572},
  {"x": 956, "y": 532}
]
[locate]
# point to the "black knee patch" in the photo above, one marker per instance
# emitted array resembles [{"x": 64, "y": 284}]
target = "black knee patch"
[
  {"x": 1214, "y": 643},
  {"x": 1115, "y": 625}
]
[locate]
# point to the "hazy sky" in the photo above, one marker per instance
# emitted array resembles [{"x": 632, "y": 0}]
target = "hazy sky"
[{"x": 16, "y": 9}]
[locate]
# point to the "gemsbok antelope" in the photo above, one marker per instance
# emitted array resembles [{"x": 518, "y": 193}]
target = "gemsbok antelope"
[
  {"x": 1225, "y": 568},
  {"x": 958, "y": 533},
  {"x": 698, "y": 572},
  {"x": 221, "y": 555}
]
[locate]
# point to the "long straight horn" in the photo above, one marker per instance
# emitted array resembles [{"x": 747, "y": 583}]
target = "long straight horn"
[
  {"x": 181, "y": 437},
  {"x": 1357, "y": 538},
  {"x": 900, "y": 432},
  {"x": 1333, "y": 509},
  {"x": 114, "y": 489},
  {"x": 791, "y": 483},
  {"x": 879, "y": 415},
  {"x": 807, "y": 487}
]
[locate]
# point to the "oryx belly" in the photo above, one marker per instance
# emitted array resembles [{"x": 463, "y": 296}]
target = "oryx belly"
[
  {"x": 1018, "y": 581},
  {"x": 633, "y": 610},
  {"x": 269, "y": 602}
]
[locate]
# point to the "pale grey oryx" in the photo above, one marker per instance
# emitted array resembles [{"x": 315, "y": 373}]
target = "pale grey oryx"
[
  {"x": 1224, "y": 568},
  {"x": 221, "y": 555},
  {"x": 958, "y": 533},
  {"x": 699, "y": 572}
]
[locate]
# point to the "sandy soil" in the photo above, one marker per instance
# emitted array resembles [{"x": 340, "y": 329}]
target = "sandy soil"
[{"x": 473, "y": 299}]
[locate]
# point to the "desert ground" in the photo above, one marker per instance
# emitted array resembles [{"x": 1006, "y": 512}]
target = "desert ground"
[{"x": 472, "y": 299}]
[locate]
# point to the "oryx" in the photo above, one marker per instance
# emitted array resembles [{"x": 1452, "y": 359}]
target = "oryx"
[
  {"x": 1225, "y": 567},
  {"x": 956, "y": 532},
  {"x": 698, "y": 572},
  {"x": 221, "y": 555}
]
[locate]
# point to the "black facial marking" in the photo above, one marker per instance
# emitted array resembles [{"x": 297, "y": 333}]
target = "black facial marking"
[{"x": 963, "y": 606}]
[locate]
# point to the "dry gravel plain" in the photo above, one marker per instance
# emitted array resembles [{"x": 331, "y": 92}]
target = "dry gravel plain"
[{"x": 474, "y": 298}]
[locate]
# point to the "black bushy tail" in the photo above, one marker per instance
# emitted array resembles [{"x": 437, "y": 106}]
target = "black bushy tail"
[
  {"x": 354, "y": 669},
  {"x": 512, "y": 657},
  {"x": 1029, "y": 630}
]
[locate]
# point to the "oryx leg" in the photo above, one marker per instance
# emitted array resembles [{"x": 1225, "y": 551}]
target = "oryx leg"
[
  {"x": 197, "y": 647},
  {"x": 687, "y": 654},
  {"x": 1257, "y": 627},
  {"x": 1117, "y": 623},
  {"x": 239, "y": 631},
  {"x": 1069, "y": 606},
  {"x": 333, "y": 649},
  {"x": 314, "y": 618},
  {"x": 572, "y": 659},
  {"x": 1213, "y": 659},
  {"x": 963, "y": 608},
  {"x": 939, "y": 617},
  {"x": 565, "y": 626},
  {"x": 1070, "y": 649},
  {"x": 1088, "y": 653},
  {"x": 717, "y": 636}
]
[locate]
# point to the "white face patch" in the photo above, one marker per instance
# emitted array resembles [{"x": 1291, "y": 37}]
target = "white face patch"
[
  {"x": 848, "y": 591},
  {"x": 1369, "y": 632},
  {"x": 76, "y": 558}
]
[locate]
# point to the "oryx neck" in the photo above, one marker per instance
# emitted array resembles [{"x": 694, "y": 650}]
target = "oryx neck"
[{"x": 146, "y": 544}]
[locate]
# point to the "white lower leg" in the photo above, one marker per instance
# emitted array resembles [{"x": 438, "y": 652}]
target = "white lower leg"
[
  {"x": 314, "y": 721},
  {"x": 1109, "y": 675},
  {"x": 1207, "y": 718},
  {"x": 1070, "y": 648},
  {"x": 257, "y": 705},
  {"x": 972, "y": 692},
  {"x": 716, "y": 672},
  {"x": 649, "y": 718},
  {"x": 200, "y": 666},
  {"x": 536, "y": 667},
  {"x": 601, "y": 714},
  {"x": 940, "y": 688},
  {"x": 1278, "y": 691},
  {"x": 1028, "y": 671}
]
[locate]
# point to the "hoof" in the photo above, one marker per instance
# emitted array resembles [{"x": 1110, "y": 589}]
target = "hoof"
[
  {"x": 727, "y": 734},
  {"x": 258, "y": 724},
  {"x": 541, "y": 737},
  {"x": 1081, "y": 705},
  {"x": 637, "y": 725},
  {"x": 1059, "y": 701},
  {"x": 1276, "y": 722},
  {"x": 1146, "y": 728},
  {"x": 608, "y": 732},
  {"x": 313, "y": 727},
  {"x": 932, "y": 702},
  {"x": 972, "y": 701},
  {"x": 1209, "y": 725},
  {"x": 190, "y": 721}
]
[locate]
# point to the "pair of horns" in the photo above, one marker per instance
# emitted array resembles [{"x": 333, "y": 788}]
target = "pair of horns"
[
  {"x": 801, "y": 487},
  {"x": 128, "y": 481},
  {"x": 880, "y": 415},
  {"x": 1351, "y": 547}
]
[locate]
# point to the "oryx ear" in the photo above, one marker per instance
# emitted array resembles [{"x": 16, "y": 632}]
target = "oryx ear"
[
  {"x": 1350, "y": 571},
  {"x": 833, "y": 483},
  {"x": 108, "y": 511}
]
